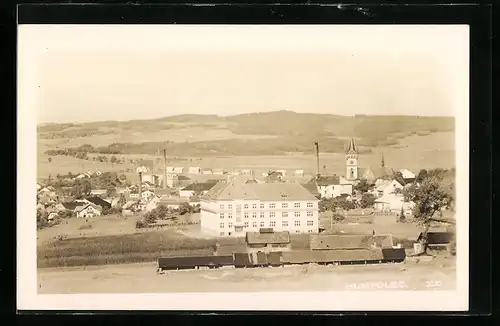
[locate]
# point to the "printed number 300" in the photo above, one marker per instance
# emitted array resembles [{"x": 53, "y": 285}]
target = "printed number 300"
[{"x": 433, "y": 284}]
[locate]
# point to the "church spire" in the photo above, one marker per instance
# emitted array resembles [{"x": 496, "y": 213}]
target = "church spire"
[{"x": 351, "y": 149}]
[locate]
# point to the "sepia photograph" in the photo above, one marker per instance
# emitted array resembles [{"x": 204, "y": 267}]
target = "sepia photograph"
[{"x": 239, "y": 167}]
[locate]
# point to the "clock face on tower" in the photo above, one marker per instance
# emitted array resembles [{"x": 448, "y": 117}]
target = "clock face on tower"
[{"x": 351, "y": 162}]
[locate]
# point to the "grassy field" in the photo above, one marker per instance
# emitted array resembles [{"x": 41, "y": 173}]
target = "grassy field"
[
  {"x": 113, "y": 240},
  {"x": 436, "y": 150}
]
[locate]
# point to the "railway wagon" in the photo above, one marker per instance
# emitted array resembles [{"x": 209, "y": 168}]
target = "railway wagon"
[{"x": 194, "y": 262}]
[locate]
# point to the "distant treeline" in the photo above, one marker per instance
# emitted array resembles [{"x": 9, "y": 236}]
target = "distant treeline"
[{"x": 237, "y": 147}]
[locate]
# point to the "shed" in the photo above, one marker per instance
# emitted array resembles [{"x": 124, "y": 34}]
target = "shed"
[
  {"x": 268, "y": 241},
  {"x": 337, "y": 242}
]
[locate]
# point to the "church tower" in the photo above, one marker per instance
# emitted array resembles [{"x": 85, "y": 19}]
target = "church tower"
[{"x": 351, "y": 161}]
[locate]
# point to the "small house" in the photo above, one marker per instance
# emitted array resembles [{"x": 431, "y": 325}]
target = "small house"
[
  {"x": 206, "y": 171},
  {"x": 246, "y": 172},
  {"x": 147, "y": 195},
  {"x": 197, "y": 189},
  {"x": 235, "y": 172},
  {"x": 283, "y": 172},
  {"x": 178, "y": 169},
  {"x": 98, "y": 192},
  {"x": 267, "y": 241},
  {"x": 218, "y": 171},
  {"x": 81, "y": 176},
  {"x": 152, "y": 203},
  {"x": 194, "y": 170},
  {"x": 299, "y": 173},
  {"x": 87, "y": 210},
  {"x": 408, "y": 176},
  {"x": 52, "y": 216}
]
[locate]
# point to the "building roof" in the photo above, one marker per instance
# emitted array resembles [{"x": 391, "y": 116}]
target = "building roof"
[
  {"x": 72, "y": 205},
  {"x": 312, "y": 188},
  {"x": 332, "y": 242},
  {"x": 380, "y": 172},
  {"x": 202, "y": 186},
  {"x": 389, "y": 198},
  {"x": 98, "y": 201},
  {"x": 238, "y": 189},
  {"x": 326, "y": 180},
  {"x": 265, "y": 238},
  {"x": 434, "y": 238}
]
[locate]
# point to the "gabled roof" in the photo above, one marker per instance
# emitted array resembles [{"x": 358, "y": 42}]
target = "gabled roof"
[
  {"x": 202, "y": 186},
  {"x": 265, "y": 238},
  {"x": 333, "y": 242},
  {"x": 98, "y": 201},
  {"x": 312, "y": 188},
  {"x": 326, "y": 180},
  {"x": 238, "y": 189}
]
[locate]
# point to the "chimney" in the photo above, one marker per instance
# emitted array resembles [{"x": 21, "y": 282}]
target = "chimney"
[
  {"x": 140, "y": 185},
  {"x": 164, "y": 169},
  {"x": 317, "y": 158}
]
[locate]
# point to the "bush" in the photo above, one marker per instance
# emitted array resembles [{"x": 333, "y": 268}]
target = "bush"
[{"x": 139, "y": 224}]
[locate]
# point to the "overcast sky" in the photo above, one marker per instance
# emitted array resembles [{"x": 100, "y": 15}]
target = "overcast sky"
[{"x": 91, "y": 73}]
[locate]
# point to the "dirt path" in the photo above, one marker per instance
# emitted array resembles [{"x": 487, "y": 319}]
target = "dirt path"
[{"x": 142, "y": 278}]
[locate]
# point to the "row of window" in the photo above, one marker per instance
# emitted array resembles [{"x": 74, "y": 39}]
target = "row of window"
[
  {"x": 262, "y": 214},
  {"x": 222, "y": 234},
  {"x": 271, "y": 224},
  {"x": 254, "y": 206}
]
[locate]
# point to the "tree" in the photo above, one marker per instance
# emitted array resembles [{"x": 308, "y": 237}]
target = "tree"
[
  {"x": 367, "y": 200},
  {"x": 431, "y": 196},
  {"x": 184, "y": 208},
  {"x": 402, "y": 217},
  {"x": 50, "y": 159},
  {"x": 421, "y": 175},
  {"x": 113, "y": 159},
  {"x": 362, "y": 186}
]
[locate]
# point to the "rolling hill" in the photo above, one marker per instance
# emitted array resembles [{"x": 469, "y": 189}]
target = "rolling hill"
[{"x": 270, "y": 133}]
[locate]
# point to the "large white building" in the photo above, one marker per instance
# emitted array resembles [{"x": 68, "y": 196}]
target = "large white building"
[{"x": 234, "y": 207}]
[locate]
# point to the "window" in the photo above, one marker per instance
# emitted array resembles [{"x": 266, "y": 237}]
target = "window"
[
  {"x": 254, "y": 206},
  {"x": 272, "y": 223},
  {"x": 284, "y": 223},
  {"x": 284, "y": 205},
  {"x": 222, "y": 234},
  {"x": 297, "y": 231},
  {"x": 222, "y": 206},
  {"x": 261, "y": 215},
  {"x": 272, "y": 205},
  {"x": 246, "y": 224},
  {"x": 297, "y": 223},
  {"x": 246, "y": 215},
  {"x": 272, "y": 214},
  {"x": 284, "y": 214},
  {"x": 310, "y": 214},
  {"x": 254, "y": 224},
  {"x": 296, "y": 205},
  {"x": 296, "y": 214},
  {"x": 254, "y": 215},
  {"x": 230, "y": 215},
  {"x": 310, "y": 223},
  {"x": 261, "y": 224},
  {"x": 230, "y": 206},
  {"x": 230, "y": 225},
  {"x": 261, "y": 206},
  {"x": 221, "y": 215},
  {"x": 221, "y": 225},
  {"x": 310, "y": 231},
  {"x": 246, "y": 206},
  {"x": 310, "y": 205}
]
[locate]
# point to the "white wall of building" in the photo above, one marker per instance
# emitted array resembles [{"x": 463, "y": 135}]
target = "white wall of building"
[
  {"x": 223, "y": 219},
  {"x": 332, "y": 191}
]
